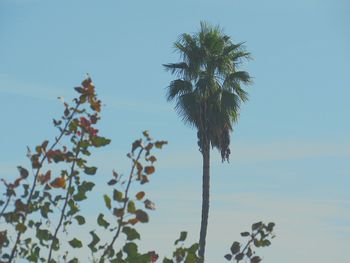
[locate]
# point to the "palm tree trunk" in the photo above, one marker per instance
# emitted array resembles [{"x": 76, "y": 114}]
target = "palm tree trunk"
[{"x": 205, "y": 200}]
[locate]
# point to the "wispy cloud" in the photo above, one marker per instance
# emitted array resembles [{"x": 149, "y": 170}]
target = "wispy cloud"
[
  {"x": 284, "y": 150},
  {"x": 136, "y": 105},
  {"x": 13, "y": 86},
  {"x": 243, "y": 152},
  {"x": 303, "y": 226}
]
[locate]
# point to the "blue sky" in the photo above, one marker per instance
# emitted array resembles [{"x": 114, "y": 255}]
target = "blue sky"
[{"x": 290, "y": 149}]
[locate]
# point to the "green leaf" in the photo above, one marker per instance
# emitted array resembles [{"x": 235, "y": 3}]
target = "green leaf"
[
  {"x": 228, "y": 257},
  {"x": 21, "y": 228},
  {"x": 35, "y": 195},
  {"x": 255, "y": 259},
  {"x": 112, "y": 182},
  {"x": 30, "y": 223},
  {"x": 95, "y": 240},
  {"x": 266, "y": 243},
  {"x": 166, "y": 260},
  {"x": 183, "y": 236},
  {"x": 87, "y": 186},
  {"x": 193, "y": 249},
  {"x": 79, "y": 89},
  {"x": 34, "y": 255},
  {"x": 90, "y": 170},
  {"x": 55, "y": 244},
  {"x": 79, "y": 196},
  {"x": 107, "y": 201},
  {"x": 131, "y": 207},
  {"x": 270, "y": 226},
  {"x": 99, "y": 141},
  {"x": 75, "y": 243},
  {"x": 235, "y": 248},
  {"x": 140, "y": 195},
  {"x": 257, "y": 243},
  {"x": 249, "y": 252},
  {"x": 117, "y": 260},
  {"x": 130, "y": 249},
  {"x": 117, "y": 195},
  {"x": 25, "y": 194},
  {"x": 101, "y": 221},
  {"x": 130, "y": 233},
  {"x": 45, "y": 209},
  {"x": 245, "y": 234},
  {"x": 73, "y": 208},
  {"x": 80, "y": 220},
  {"x": 159, "y": 144},
  {"x": 239, "y": 256},
  {"x": 74, "y": 260},
  {"x": 190, "y": 258},
  {"x": 23, "y": 172},
  {"x": 256, "y": 225},
  {"x": 43, "y": 234}
]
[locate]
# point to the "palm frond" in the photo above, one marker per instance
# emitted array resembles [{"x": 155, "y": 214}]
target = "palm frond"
[
  {"x": 233, "y": 82},
  {"x": 187, "y": 106},
  {"x": 242, "y": 94},
  {"x": 208, "y": 90},
  {"x": 230, "y": 105},
  {"x": 177, "y": 88},
  {"x": 178, "y": 69},
  {"x": 240, "y": 76}
]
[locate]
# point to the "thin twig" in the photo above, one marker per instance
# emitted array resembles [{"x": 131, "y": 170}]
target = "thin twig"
[
  {"x": 5, "y": 206},
  {"x": 66, "y": 198},
  {"x": 36, "y": 176},
  {"x": 124, "y": 205},
  {"x": 249, "y": 242}
]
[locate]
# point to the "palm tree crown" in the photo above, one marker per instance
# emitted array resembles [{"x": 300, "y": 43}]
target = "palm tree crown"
[{"x": 208, "y": 90}]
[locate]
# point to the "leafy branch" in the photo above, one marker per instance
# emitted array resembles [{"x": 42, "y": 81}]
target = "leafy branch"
[
  {"x": 37, "y": 165},
  {"x": 259, "y": 237},
  {"x": 68, "y": 194}
]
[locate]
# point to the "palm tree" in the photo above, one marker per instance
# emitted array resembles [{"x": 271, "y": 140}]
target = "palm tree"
[{"x": 208, "y": 95}]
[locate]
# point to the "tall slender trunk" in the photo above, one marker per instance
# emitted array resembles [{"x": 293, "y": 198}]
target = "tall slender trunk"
[{"x": 205, "y": 200}]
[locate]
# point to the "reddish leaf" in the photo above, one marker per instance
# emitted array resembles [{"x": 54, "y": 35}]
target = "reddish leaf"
[
  {"x": 44, "y": 144},
  {"x": 149, "y": 147},
  {"x": 159, "y": 144},
  {"x": 45, "y": 178},
  {"x": 152, "y": 159},
  {"x": 132, "y": 221},
  {"x": 139, "y": 168},
  {"x": 140, "y": 195},
  {"x": 141, "y": 216},
  {"x": 20, "y": 206},
  {"x": 17, "y": 182},
  {"x": 84, "y": 122},
  {"x": 136, "y": 144},
  {"x": 87, "y": 83},
  {"x": 153, "y": 256},
  {"x": 35, "y": 161},
  {"x": 115, "y": 174},
  {"x": 118, "y": 212},
  {"x": 144, "y": 179},
  {"x": 150, "y": 169},
  {"x": 95, "y": 105},
  {"x": 59, "y": 182}
]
